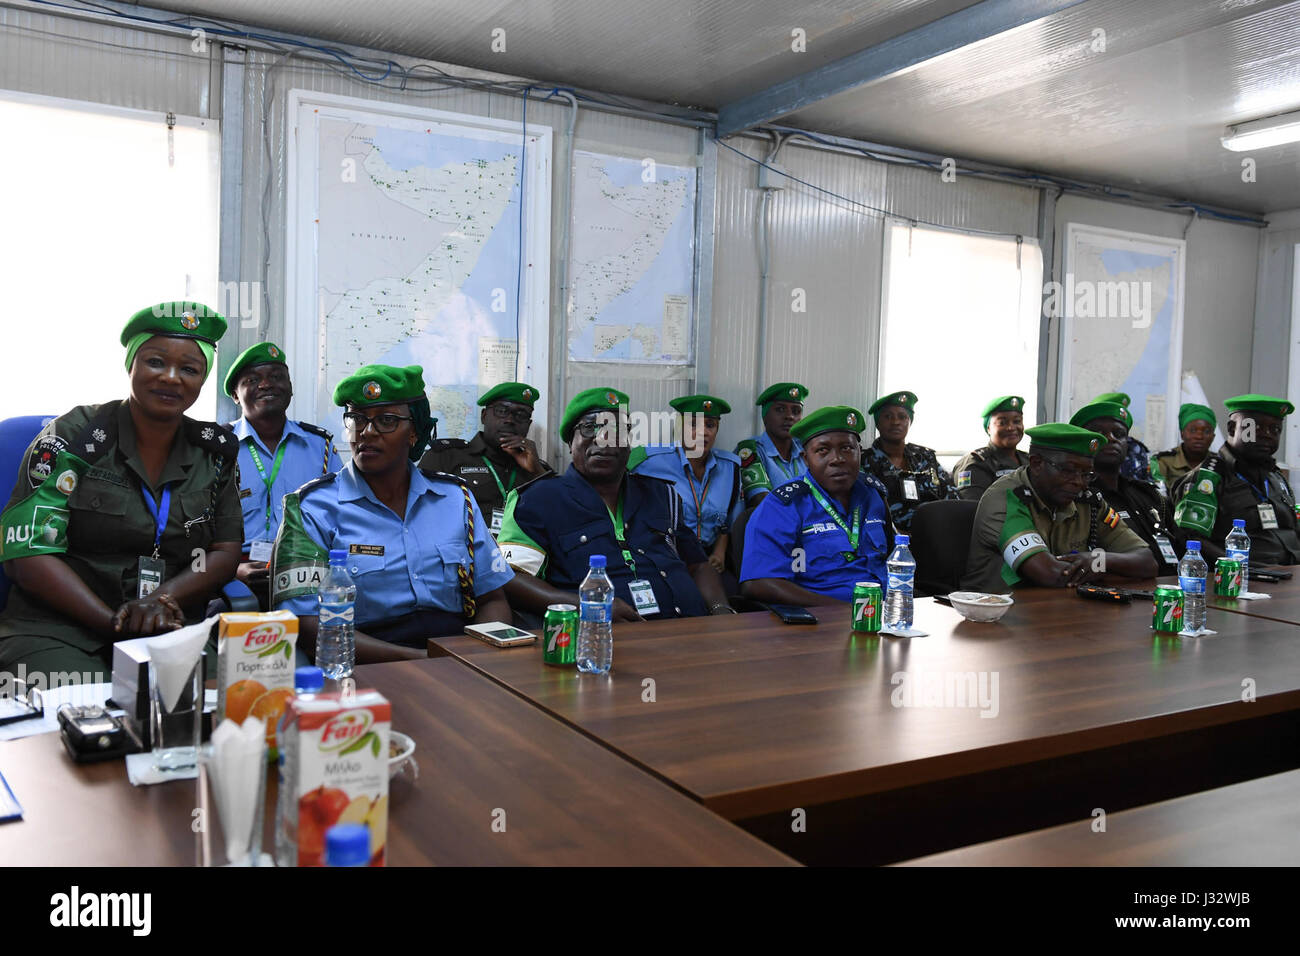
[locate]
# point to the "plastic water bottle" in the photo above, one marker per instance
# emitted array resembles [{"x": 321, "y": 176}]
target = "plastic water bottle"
[
  {"x": 596, "y": 619},
  {"x": 1238, "y": 547},
  {"x": 1192, "y": 572},
  {"x": 347, "y": 844},
  {"x": 336, "y": 644},
  {"x": 898, "y": 596}
]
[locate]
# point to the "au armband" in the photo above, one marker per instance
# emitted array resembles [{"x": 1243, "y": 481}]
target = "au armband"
[{"x": 1021, "y": 547}]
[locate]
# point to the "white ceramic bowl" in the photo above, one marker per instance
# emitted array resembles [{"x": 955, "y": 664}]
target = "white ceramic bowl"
[
  {"x": 976, "y": 606},
  {"x": 405, "y": 747}
]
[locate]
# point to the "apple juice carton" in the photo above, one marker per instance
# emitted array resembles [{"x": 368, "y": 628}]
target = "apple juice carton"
[
  {"x": 335, "y": 770},
  {"x": 255, "y": 665}
]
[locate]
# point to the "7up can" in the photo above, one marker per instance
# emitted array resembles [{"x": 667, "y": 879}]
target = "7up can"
[
  {"x": 560, "y": 635},
  {"x": 1167, "y": 610},
  {"x": 867, "y": 606}
]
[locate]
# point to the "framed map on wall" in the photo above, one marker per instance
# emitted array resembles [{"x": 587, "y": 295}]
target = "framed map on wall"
[{"x": 1120, "y": 303}]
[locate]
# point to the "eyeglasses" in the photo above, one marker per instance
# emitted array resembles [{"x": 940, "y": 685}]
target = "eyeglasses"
[
  {"x": 356, "y": 423},
  {"x": 521, "y": 416},
  {"x": 1070, "y": 473}
]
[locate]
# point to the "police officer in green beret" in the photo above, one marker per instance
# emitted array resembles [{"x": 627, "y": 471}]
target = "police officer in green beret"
[
  {"x": 1242, "y": 480},
  {"x": 1196, "y": 429},
  {"x": 554, "y": 525},
  {"x": 773, "y": 457},
  {"x": 276, "y": 455},
  {"x": 125, "y": 517},
  {"x": 501, "y": 456},
  {"x": 1137, "y": 456},
  {"x": 1140, "y": 504},
  {"x": 417, "y": 546},
  {"x": 1037, "y": 525},
  {"x": 911, "y": 473},
  {"x": 707, "y": 480},
  {"x": 1004, "y": 422}
]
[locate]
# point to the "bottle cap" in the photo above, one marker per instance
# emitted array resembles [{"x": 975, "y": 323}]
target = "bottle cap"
[
  {"x": 902, "y": 539},
  {"x": 347, "y": 844},
  {"x": 1239, "y": 522},
  {"x": 597, "y": 561},
  {"x": 308, "y": 680},
  {"x": 1194, "y": 546},
  {"x": 338, "y": 556}
]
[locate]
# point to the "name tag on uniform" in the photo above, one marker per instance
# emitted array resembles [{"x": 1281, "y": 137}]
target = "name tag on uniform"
[
  {"x": 498, "y": 516},
  {"x": 1267, "y": 517},
  {"x": 643, "y": 597},
  {"x": 150, "y": 575},
  {"x": 909, "y": 489},
  {"x": 1166, "y": 549},
  {"x": 260, "y": 550},
  {"x": 1124, "y": 515},
  {"x": 245, "y": 492}
]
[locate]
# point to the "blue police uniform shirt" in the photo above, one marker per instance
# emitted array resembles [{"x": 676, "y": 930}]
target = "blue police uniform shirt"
[
  {"x": 778, "y": 470},
  {"x": 399, "y": 565},
  {"x": 718, "y": 494},
  {"x": 790, "y": 518},
  {"x": 553, "y": 526},
  {"x": 307, "y": 455}
]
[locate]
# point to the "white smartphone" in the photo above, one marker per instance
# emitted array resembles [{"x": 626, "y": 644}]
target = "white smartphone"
[{"x": 500, "y": 635}]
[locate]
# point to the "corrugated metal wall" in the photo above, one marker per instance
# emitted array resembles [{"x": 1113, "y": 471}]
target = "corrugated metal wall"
[
  {"x": 832, "y": 250},
  {"x": 116, "y": 66}
]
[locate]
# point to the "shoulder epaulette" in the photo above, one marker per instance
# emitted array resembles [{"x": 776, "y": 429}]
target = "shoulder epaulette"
[
  {"x": 650, "y": 451},
  {"x": 212, "y": 436},
  {"x": 316, "y": 430},
  {"x": 1024, "y": 493},
  {"x": 97, "y": 434},
  {"x": 644, "y": 477},
  {"x": 873, "y": 482},
  {"x": 533, "y": 482},
  {"x": 447, "y": 444},
  {"x": 315, "y": 483},
  {"x": 730, "y": 456},
  {"x": 1161, "y": 454},
  {"x": 441, "y": 476},
  {"x": 791, "y": 491},
  {"x": 981, "y": 454}
]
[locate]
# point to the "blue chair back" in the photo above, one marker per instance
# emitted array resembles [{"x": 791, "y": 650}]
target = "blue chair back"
[{"x": 15, "y": 435}]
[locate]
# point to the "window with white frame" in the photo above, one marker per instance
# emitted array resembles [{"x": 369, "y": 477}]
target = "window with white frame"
[
  {"x": 106, "y": 211},
  {"x": 959, "y": 327}
]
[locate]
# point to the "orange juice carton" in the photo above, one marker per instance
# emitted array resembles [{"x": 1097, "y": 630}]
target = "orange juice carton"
[
  {"x": 255, "y": 665},
  {"x": 335, "y": 770}
]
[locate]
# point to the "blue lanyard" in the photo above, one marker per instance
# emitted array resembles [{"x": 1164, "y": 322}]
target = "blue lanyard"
[
  {"x": 1267, "y": 491},
  {"x": 159, "y": 512}
]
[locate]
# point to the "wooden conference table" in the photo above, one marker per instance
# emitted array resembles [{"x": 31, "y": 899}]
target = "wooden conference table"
[
  {"x": 1256, "y": 823},
  {"x": 567, "y": 800},
  {"x": 760, "y": 721}
]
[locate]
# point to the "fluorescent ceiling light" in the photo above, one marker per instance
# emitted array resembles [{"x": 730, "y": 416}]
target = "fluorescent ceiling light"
[{"x": 1262, "y": 133}]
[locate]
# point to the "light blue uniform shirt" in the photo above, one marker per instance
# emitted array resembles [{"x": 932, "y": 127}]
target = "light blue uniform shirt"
[
  {"x": 718, "y": 495},
  {"x": 399, "y": 565},
  {"x": 762, "y": 467},
  {"x": 307, "y": 455}
]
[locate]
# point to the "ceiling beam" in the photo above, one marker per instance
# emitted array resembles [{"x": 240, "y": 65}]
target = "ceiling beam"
[{"x": 971, "y": 25}]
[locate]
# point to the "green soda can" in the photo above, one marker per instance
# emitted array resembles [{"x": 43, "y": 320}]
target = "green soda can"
[
  {"x": 1167, "y": 610},
  {"x": 1227, "y": 577},
  {"x": 560, "y": 636},
  {"x": 868, "y": 607}
]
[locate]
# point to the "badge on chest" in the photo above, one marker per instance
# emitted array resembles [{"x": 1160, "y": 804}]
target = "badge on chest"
[{"x": 643, "y": 597}]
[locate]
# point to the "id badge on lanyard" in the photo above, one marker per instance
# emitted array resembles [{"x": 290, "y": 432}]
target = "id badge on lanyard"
[
  {"x": 643, "y": 597},
  {"x": 1267, "y": 516},
  {"x": 909, "y": 489},
  {"x": 150, "y": 568},
  {"x": 1166, "y": 549}
]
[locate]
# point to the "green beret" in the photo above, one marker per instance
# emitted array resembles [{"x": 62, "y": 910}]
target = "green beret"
[
  {"x": 263, "y": 353},
  {"x": 832, "y": 418},
  {"x": 1119, "y": 398},
  {"x": 1190, "y": 412},
  {"x": 1277, "y": 407},
  {"x": 588, "y": 400},
  {"x": 1003, "y": 403},
  {"x": 1103, "y": 410},
  {"x": 782, "y": 392},
  {"x": 705, "y": 405},
  {"x": 1071, "y": 438},
  {"x": 510, "y": 392},
  {"x": 190, "y": 320},
  {"x": 905, "y": 400},
  {"x": 381, "y": 385}
]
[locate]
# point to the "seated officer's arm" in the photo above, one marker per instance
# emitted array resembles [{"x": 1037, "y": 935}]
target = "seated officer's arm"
[
  {"x": 778, "y": 591},
  {"x": 493, "y": 606},
  {"x": 1126, "y": 553},
  {"x": 48, "y": 578},
  {"x": 1047, "y": 571},
  {"x": 530, "y": 593},
  {"x": 1003, "y": 524},
  {"x": 370, "y": 650}
]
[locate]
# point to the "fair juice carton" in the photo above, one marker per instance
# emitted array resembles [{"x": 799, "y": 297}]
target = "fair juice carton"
[
  {"x": 255, "y": 665},
  {"x": 335, "y": 770}
]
